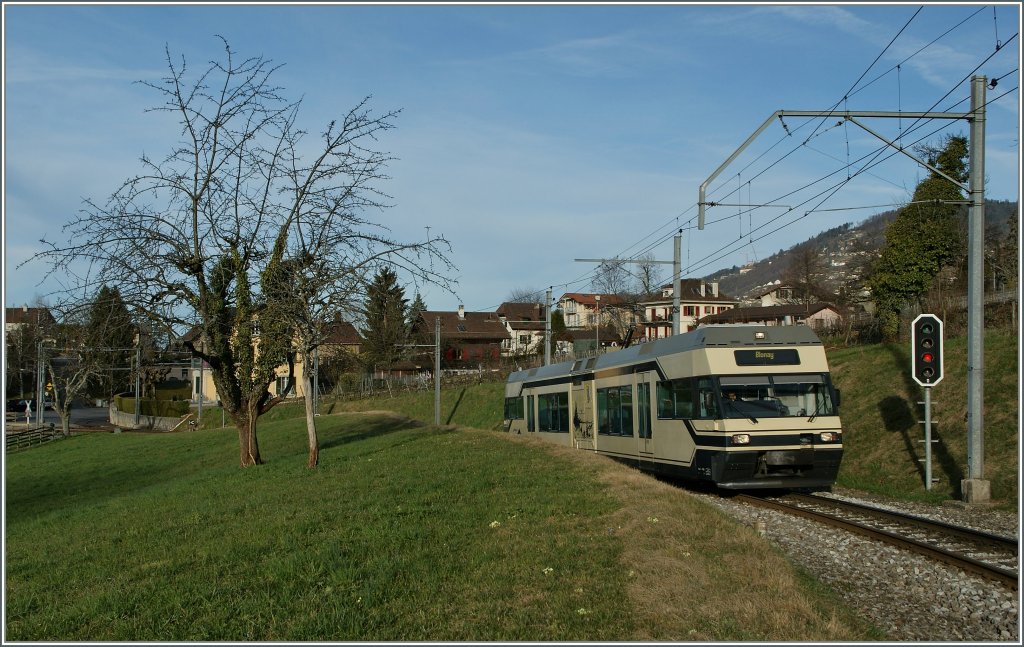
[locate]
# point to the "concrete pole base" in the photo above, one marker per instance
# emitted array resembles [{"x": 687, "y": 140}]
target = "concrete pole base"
[{"x": 976, "y": 490}]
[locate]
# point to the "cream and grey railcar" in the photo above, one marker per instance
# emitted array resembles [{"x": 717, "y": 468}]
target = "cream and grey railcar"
[{"x": 741, "y": 406}]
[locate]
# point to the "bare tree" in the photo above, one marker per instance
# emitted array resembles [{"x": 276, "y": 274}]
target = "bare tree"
[
  {"x": 71, "y": 363},
  {"x": 202, "y": 238},
  {"x": 806, "y": 275},
  {"x": 525, "y": 295}
]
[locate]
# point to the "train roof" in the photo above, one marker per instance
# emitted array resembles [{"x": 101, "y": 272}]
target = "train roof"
[{"x": 707, "y": 336}]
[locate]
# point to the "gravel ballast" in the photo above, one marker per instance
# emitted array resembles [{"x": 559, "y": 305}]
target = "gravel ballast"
[{"x": 911, "y": 598}]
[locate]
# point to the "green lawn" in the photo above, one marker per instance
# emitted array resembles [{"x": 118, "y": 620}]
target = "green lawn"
[{"x": 405, "y": 532}]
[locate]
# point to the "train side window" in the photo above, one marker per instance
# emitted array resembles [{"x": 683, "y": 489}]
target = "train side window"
[
  {"x": 707, "y": 400},
  {"x": 530, "y": 423},
  {"x": 615, "y": 411},
  {"x": 675, "y": 399},
  {"x": 513, "y": 408},
  {"x": 553, "y": 412},
  {"x": 626, "y": 410}
]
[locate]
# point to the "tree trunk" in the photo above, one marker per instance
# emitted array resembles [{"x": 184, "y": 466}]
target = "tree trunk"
[
  {"x": 249, "y": 448},
  {"x": 314, "y": 443}
]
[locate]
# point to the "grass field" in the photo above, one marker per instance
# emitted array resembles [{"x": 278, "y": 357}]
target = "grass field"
[
  {"x": 411, "y": 532},
  {"x": 405, "y": 532}
]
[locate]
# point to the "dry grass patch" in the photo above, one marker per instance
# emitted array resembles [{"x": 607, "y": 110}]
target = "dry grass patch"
[{"x": 694, "y": 574}]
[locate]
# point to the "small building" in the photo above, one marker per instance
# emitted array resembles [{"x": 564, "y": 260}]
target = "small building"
[
  {"x": 341, "y": 337},
  {"x": 26, "y": 317},
  {"x": 525, "y": 323},
  {"x": 697, "y": 299},
  {"x": 582, "y": 309},
  {"x": 469, "y": 340},
  {"x": 819, "y": 316}
]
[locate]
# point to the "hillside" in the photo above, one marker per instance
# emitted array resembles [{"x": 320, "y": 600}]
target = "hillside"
[
  {"x": 880, "y": 414},
  {"x": 846, "y": 251}
]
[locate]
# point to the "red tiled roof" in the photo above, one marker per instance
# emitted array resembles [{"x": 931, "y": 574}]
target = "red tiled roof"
[
  {"x": 590, "y": 300},
  {"x": 26, "y": 315},
  {"x": 523, "y": 316},
  {"x": 478, "y": 326}
]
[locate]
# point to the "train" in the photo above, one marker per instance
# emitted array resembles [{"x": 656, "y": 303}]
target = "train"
[{"x": 742, "y": 407}]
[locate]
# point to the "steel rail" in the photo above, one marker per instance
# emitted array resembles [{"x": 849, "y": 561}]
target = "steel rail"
[
  {"x": 999, "y": 574},
  {"x": 976, "y": 536}
]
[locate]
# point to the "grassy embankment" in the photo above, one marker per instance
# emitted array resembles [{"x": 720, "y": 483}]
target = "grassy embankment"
[
  {"x": 881, "y": 415},
  {"x": 405, "y": 532}
]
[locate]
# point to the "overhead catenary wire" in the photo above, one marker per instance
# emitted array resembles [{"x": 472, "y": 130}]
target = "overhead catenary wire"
[{"x": 664, "y": 232}]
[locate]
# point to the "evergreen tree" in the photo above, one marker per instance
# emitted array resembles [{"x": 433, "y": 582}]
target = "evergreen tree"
[
  {"x": 924, "y": 238},
  {"x": 385, "y": 316},
  {"x": 109, "y": 336},
  {"x": 417, "y": 307}
]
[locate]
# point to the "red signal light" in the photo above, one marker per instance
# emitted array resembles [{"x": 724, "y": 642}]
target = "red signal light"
[{"x": 927, "y": 357}]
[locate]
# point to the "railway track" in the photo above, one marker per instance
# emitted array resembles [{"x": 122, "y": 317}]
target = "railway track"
[{"x": 991, "y": 556}]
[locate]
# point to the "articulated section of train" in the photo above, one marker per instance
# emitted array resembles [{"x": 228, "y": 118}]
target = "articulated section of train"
[{"x": 744, "y": 407}]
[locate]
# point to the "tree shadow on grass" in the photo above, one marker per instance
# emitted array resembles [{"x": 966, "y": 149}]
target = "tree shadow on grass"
[{"x": 378, "y": 427}]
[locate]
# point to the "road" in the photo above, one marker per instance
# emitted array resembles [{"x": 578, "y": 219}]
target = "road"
[{"x": 93, "y": 418}]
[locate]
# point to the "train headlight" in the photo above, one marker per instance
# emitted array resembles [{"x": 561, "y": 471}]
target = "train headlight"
[
  {"x": 741, "y": 439},
  {"x": 829, "y": 436}
]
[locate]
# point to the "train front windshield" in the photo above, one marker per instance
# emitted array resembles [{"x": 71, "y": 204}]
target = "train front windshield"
[{"x": 776, "y": 396}]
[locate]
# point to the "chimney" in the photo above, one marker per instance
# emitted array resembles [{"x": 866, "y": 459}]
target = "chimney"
[
  {"x": 24, "y": 308},
  {"x": 462, "y": 311},
  {"x": 702, "y": 288},
  {"x": 714, "y": 289}
]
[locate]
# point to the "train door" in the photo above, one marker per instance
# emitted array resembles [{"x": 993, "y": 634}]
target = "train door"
[
  {"x": 645, "y": 443},
  {"x": 582, "y": 415}
]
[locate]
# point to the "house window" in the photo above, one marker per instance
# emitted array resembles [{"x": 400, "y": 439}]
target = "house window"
[
  {"x": 524, "y": 340},
  {"x": 690, "y": 311},
  {"x": 283, "y": 385}
]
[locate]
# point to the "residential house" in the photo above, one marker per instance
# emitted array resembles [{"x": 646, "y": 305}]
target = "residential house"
[
  {"x": 342, "y": 337},
  {"x": 20, "y": 318},
  {"x": 469, "y": 340},
  {"x": 23, "y": 328},
  {"x": 819, "y": 316},
  {"x": 525, "y": 323},
  {"x": 778, "y": 295},
  {"x": 582, "y": 310},
  {"x": 697, "y": 299}
]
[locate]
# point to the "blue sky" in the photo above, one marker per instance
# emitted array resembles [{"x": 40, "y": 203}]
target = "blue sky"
[{"x": 530, "y": 135}]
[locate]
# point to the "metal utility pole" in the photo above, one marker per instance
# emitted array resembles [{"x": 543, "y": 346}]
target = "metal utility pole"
[
  {"x": 437, "y": 371},
  {"x": 40, "y": 383},
  {"x": 138, "y": 379},
  {"x": 677, "y": 281},
  {"x": 677, "y": 274},
  {"x": 974, "y": 488},
  {"x": 547, "y": 328}
]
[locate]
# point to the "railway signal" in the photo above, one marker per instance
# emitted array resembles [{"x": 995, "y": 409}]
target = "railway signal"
[
  {"x": 926, "y": 362},
  {"x": 926, "y": 350}
]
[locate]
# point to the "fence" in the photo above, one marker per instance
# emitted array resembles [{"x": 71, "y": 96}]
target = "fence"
[{"x": 25, "y": 438}]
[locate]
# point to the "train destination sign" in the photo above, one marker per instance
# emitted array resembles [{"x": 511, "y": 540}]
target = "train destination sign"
[{"x": 769, "y": 357}]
